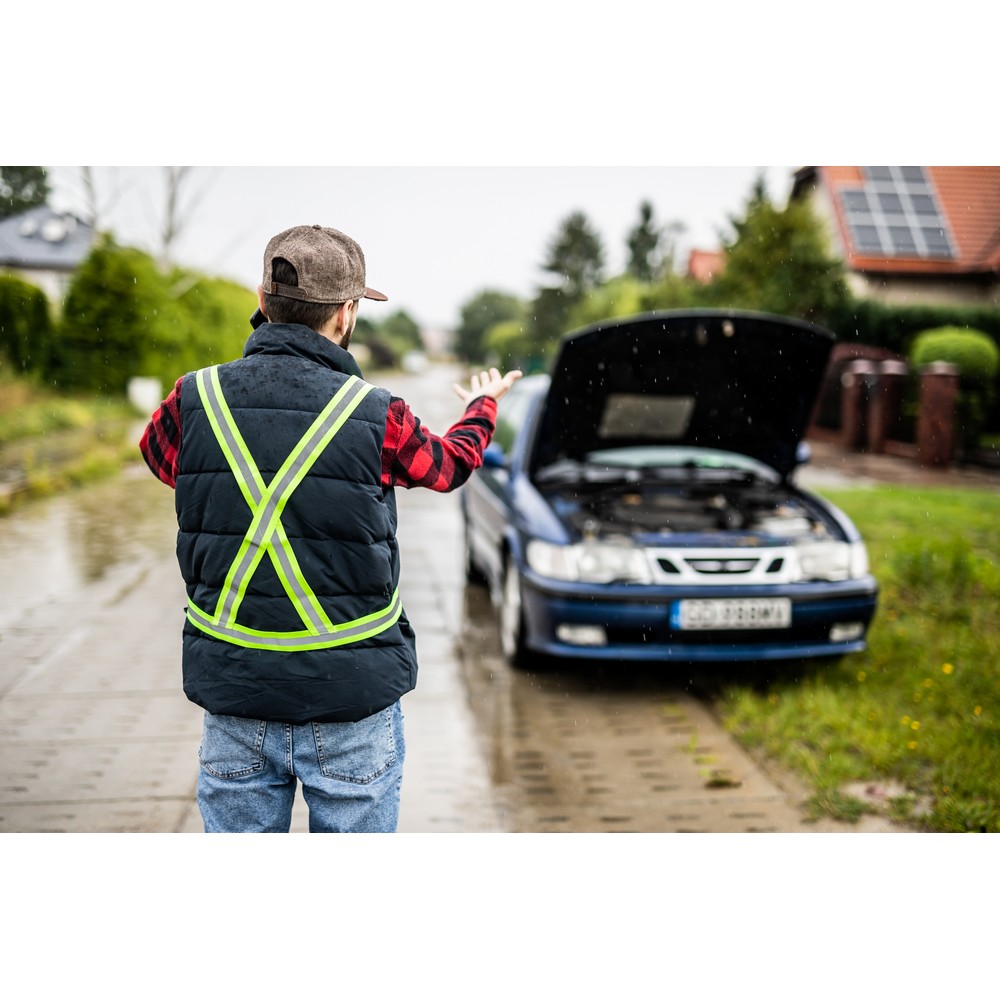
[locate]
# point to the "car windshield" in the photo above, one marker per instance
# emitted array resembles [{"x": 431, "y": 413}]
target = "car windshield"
[{"x": 657, "y": 461}]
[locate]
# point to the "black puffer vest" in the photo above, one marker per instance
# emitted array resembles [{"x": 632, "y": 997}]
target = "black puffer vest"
[{"x": 337, "y": 524}]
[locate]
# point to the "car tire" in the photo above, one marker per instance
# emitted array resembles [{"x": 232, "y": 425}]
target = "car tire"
[{"x": 511, "y": 619}]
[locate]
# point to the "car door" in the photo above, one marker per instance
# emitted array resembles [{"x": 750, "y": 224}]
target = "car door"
[{"x": 487, "y": 498}]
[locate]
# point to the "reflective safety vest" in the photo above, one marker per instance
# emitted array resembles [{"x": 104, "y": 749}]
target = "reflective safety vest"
[{"x": 266, "y": 536}]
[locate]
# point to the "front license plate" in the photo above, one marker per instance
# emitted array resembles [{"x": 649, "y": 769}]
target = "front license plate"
[{"x": 750, "y": 612}]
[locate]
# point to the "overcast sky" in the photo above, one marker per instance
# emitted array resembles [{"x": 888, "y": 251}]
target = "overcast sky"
[{"x": 432, "y": 236}]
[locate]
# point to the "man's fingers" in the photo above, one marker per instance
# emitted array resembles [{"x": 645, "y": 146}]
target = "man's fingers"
[{"x": 487, "y": 383}]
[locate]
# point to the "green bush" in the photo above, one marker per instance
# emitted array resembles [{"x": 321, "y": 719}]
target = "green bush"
[
  {"x": 123, "y": 317},
  {"x": 974, "y": 353},
  {"x": 25, "y": 325},
  {"x": 215, "y": 326},
  {"x": 881, "y": 324},
  {"x": 977, "y": 358},
  {"x": 116, "y": 305}
]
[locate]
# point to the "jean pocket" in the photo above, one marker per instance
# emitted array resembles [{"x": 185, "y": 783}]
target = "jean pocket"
[
  {"x": 358, "y": 751},
  {"x": 232, "y": 747}
]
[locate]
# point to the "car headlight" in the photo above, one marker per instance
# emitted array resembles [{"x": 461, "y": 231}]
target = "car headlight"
[
  {"x": 830, "y": 560},
  {"x": 859, "y": 560},
  {"x": 590, "y": 562}
]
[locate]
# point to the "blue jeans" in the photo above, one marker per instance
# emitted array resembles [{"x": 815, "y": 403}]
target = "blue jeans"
[{"x": 351, "y": 774}]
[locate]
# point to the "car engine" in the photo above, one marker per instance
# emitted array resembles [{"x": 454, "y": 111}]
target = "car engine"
[{"x": 703, "y": 508}]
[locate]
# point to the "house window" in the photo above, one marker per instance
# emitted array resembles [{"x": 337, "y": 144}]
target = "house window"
[{"x": 895, "y": 214}]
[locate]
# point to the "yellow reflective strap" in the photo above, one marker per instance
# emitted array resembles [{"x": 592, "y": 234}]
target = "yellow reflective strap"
[
  {"x": 267, "y": 502},
  {"x": 252, "y": 486},
  {"x": 348, "y": 632},
  {"x": 293, "y": 470}
]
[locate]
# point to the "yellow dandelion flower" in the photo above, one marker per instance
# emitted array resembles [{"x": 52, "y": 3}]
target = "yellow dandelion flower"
[
  {"x": 905, "y": 720},
  {"x": 872, "y": 716},
  {"x": 912, "y": 745},
  {"x": 946, "y": 789},
  {"x": 947, "y": 668},
  {"x": 773, "y": 699},
  {"x": 861, "y": 676},
  {"x": 917, "y": 696},
  {"x": 978, "y": 710},
  {"x": 928, "y": 683},
  {"x": 914, "y": 725}
]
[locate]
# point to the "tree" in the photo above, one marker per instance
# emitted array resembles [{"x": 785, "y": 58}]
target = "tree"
[
  {"x": 576, "y": 256},
  {"x": 621, "y": 296},
  {"x": 99, "y": 207},
  {"x": 509, "y": 344},
  {"x": 484, "y": 310},
  {"x": 778, "y": 262},
  {"x": 116, "y": 308},
  {"x": 402, "y": 331},
  {"x": 26, "y": 333},
  {"x": 22, "y": 188},
  {"x": 181, "y": 202},
  {"x": 652, "y": 248},
  {"x": 643, "y": 242}
]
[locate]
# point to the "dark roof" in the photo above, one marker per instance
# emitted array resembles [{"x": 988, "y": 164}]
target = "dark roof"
[
  {"x": 968, "y": 198},
  {"x": 41, "y": 239}
]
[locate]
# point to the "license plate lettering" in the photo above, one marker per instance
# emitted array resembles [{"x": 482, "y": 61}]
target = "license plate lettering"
[{"x": 732, "y": 613}]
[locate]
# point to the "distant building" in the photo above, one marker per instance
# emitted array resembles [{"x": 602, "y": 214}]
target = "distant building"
[
  {"x": 911, "y": 235},
  {"x": 44, "y": 247},
  {"x": 705, "y": 265}
]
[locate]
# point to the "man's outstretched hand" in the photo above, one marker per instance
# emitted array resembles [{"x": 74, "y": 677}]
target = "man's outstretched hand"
[{"x": 490, "y": 383}]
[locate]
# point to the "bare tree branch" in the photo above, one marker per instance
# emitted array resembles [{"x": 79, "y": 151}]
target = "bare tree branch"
[{"x": 179, "y": 210}]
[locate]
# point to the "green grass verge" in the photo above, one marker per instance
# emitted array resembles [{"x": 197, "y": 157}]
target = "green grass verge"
[
  {"x": 916, "y": 713},
  {"x": 51, "y": 443},
  {"x": 27, "y": 412}
]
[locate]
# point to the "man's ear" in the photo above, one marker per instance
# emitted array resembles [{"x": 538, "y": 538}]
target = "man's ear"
[
  {"x": 260, "y": 300},
  {"x": 343, "y": 315}
]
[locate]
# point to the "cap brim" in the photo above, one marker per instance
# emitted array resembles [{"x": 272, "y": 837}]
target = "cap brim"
[{"x": 370, "y": 293}]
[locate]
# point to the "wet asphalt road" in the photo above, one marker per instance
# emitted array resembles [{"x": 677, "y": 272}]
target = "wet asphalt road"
[{"x": 96, "y": 735}]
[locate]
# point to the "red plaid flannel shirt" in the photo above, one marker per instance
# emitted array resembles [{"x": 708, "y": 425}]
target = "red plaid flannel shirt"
[{"x": 410, "y": 455}]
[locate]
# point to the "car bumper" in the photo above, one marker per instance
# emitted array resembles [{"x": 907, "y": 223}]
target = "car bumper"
[{"x": 637, "y": 626}]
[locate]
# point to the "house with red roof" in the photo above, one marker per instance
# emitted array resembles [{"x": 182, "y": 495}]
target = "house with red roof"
[{"x": 911, "y": 235}]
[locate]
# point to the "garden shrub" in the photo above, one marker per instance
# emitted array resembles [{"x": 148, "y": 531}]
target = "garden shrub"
[
  {"x": 25, "y": 325},
  {"x": 973, "y": 352},
  {"x": 124, "y": 317},
  {"x": 116, "y": 305}
]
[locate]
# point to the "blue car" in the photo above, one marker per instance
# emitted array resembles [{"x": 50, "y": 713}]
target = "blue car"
[{"x": 639, "y": 503}]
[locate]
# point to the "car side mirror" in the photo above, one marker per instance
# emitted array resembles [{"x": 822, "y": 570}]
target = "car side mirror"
[
  {"x": 803, "y": 454},
  {"x": 494, "y": 457}
]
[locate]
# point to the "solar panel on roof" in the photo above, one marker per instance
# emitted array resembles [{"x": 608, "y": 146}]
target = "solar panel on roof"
[{"x": 895, "y": 214}]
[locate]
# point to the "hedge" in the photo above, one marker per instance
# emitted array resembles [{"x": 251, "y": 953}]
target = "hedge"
[{"x": 26, "y": 330}]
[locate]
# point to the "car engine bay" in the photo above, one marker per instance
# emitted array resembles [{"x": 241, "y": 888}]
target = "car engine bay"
[{"x": 656, "y": 510}]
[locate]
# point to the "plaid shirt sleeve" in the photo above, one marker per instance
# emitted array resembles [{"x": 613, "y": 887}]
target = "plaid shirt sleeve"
[
  {"x": 161, "y": 439},
  {"x": 411, "y": 456}
]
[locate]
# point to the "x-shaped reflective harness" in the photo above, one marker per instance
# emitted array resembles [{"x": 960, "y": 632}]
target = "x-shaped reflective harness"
[{"x": 266, "y": 535}]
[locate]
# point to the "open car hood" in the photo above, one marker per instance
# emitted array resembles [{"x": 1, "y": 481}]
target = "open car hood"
[{"x": 736, "y": 381}]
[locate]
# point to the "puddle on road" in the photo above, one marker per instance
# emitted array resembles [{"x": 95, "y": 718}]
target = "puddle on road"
[{"x": 54, "y": 547}]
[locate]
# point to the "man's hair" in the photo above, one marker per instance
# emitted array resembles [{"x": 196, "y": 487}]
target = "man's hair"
[{"x": 281, "y": 309}]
